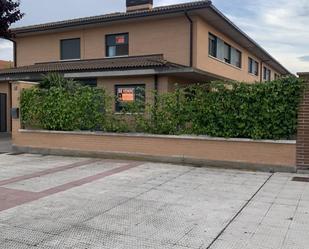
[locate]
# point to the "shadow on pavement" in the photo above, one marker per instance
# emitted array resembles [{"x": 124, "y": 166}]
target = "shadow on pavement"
[{"x": 5, "y": 142}]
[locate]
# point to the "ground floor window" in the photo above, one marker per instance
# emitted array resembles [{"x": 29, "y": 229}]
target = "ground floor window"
[
  {"x": 92, "y": 82},
  {"x": 127, "y": 95}
]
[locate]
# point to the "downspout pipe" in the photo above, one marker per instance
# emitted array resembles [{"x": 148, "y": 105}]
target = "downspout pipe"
[
  {"x": 191, "y": 37},
  {"x": 15, "y": 51}
]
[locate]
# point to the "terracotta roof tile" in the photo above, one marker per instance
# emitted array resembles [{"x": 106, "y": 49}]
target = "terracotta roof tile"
[{"x": 106, "y": 64}]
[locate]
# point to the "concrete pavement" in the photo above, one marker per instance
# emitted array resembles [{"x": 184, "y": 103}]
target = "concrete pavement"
[
  {"x": 5, "y": 142},
  {"x": 62, "y": 202}
]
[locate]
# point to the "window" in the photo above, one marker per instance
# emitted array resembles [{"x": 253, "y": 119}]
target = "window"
[
  {"x": 253, "y": 67},
  {"x": 227, "y": 53},
  {"x": 223, "y": 51},
  {"x": 212, "y": 45},
  {"x": 127, "y": 94},
  {"x": 266, "y": 74},
  {"x": 117, "y": 45},
  {"x": 277, "y": 76},
  {"x": 92, "y": 82},
  {"x": 236, "y": 57},
  {"x": 70, "y": 49}
]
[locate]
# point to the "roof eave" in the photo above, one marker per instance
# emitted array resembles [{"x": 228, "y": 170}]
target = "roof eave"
[
  {"x": 279, "y": 66},
  {"x": 122, "y": 16}
]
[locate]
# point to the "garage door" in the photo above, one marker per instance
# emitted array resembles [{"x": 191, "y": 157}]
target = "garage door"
[{"x": 3, "y": 110}]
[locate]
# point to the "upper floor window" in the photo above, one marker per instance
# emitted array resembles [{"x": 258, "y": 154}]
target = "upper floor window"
[
  {"x": 277, "y": 76},
  {"x": 236, "y": 57},
  {"x": 212, "y": 45},
  {"x": 227, "y": 53},
  {"x": 253, "y": 67},
  {"x": 117, "y": 45},
  {"x": 266, "y": 74},
  {"x": 70, "y": 49},
  {"x": 223, "y": 51}
]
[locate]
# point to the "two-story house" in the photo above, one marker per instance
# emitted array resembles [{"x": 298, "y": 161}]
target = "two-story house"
[{"x": 146, "y": 46}]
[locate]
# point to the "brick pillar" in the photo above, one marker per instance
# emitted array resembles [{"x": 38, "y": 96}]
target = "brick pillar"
[
  {"x": 302, "y": 145},
  {"x": 17, "y": 88}
]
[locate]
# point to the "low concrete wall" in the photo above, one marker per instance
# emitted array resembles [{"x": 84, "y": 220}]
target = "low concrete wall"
[{"x": 198, "y": 150}]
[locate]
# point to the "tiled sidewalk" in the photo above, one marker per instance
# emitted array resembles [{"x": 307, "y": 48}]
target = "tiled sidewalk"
[{"x": 62, "y": 202}]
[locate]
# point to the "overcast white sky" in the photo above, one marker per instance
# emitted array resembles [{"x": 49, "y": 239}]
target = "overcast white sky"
[{"x": 280, "y": 26}]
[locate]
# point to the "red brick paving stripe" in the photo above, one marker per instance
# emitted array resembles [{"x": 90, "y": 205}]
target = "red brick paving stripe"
[
  {"x": 47, "y": 172},
  {"x": 89, "y": 179},
  {"x": 10, "y": 198}
]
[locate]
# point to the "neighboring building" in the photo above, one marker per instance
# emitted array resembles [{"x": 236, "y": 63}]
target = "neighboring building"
[
  {"x": 5, "y": 64},
  {"x": 147, "y": 47},
  {"x": 4, "y": 99}
]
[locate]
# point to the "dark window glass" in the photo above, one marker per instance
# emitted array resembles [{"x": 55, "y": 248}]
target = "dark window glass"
[
  {"x": 223, "y": 51},
  {"x": 227, "y": 53},
  {"x": 256, "y": 68},
  {"x": 127, "y": 94},
  {"x": 277, "y": 76},
  {"x": 267, "y": 74},
  {"x": 70, "y": 49},
  {"x": 236, "y": 57},
  {"x": 212, "y": 45},
  {"x": 253, "y": 67},
  {"x": 117, "y": 45},
  {"x": 88, "y": 82}
]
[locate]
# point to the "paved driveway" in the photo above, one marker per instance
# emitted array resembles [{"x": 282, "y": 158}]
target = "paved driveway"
[
  {"x": 81, "y": 203},
  {"x": 5, "y": 143}
]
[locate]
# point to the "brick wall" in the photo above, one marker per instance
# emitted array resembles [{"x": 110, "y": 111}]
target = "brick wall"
[
  {"x": 302, "y": 145},
  {"x": 236, "y": 153}
]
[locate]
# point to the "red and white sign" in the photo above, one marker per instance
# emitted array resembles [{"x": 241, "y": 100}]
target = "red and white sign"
[
  {"x": 120, "y": 39},
  {"x": 126, "y": 94}
]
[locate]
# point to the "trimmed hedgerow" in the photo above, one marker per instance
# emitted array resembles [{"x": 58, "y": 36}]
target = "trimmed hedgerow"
[{"x": 221, "y": 109}]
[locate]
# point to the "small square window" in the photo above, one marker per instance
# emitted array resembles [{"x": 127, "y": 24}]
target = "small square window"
[
  {"x": 117, "y": 45},
  {"x": 70, "y": 49},
  {"x": 127, "y": 94}
]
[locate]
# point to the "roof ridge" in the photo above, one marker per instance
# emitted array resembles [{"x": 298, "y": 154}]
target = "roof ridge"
[{"x": 198, "y": 3}]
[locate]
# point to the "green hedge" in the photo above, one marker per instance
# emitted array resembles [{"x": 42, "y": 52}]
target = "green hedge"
[
  {"x": 221, "y": 109},
  {"x": 59, "y": 109}
]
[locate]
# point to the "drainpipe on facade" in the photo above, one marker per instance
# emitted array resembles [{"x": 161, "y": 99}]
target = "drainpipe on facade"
[
  {"x": 15, "y": 51},
  {"x": 191, "y": 38}
]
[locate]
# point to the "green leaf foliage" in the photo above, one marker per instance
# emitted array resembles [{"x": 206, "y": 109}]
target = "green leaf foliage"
[{"x": 221, "y": 109}]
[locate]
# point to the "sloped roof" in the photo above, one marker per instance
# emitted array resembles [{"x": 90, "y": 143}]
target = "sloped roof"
[
  {"x": 114, "y": 17},
  {"x": 120, "y": 63},
  {"x": 205, "y": 8}
]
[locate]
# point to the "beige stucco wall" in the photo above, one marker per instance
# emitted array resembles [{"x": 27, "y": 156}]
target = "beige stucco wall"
[
  {"x": 167, "y": 36},
  {"x": 203, "y": 61},
  {"x": 5, "y": 88}
]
